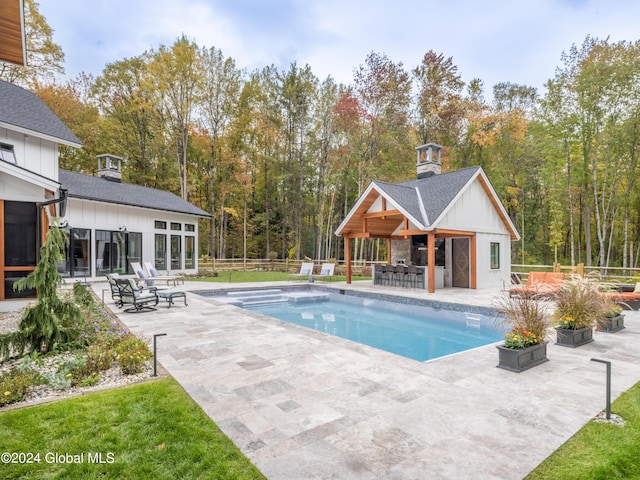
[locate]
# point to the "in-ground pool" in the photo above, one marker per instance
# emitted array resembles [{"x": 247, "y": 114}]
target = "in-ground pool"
[{"x": 417, "y": 332}]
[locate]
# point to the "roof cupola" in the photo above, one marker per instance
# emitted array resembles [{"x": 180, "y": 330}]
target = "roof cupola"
[{"x": 428, "y": 160}]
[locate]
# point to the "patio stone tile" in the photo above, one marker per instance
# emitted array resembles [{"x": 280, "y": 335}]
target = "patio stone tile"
[
  {"x": 305, "y": 405},
  {"x": 262, "y": 389},
  {"x": 287, "y": 406}
]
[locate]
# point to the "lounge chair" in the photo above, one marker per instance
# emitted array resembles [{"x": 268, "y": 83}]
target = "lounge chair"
[
  {"x": 306, "y": 270},
  {"x": 628, "y": 300},
  {"x": 154, "y": 275},
  {"x": 139, "y": 299},
  {"x": 327, "y": 270},
  {"x": 141, "y": 274},
  {"x": 540, "y": 283}
]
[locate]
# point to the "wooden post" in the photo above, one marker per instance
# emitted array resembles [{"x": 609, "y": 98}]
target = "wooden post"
[
  {"x": 388, "y": 251},
  {"x": 347, "y": 257},
  {"x": 431, "y": 267}
]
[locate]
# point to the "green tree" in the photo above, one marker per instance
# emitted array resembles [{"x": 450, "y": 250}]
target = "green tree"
[
  {"x": 439, "y": 100},
  {"x": 218, "y": 105},
  {"x": 175, "y": 76},
  {"x": 50, "y": 322}
]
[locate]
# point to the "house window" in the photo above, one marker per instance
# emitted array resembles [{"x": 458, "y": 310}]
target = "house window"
[
  {"x": 495, "y": 255},
  {"x": 176, "y": 226},
  {"x": 6, "y": 153},
  {"x": 189, "y": 227},
  {"x": 160, "y": 225},
  {"x": 115, "y": 250},
  {"x": 176, "y": 252},
  {"x": 160, "y": 251},
  {"x": 189, "y": 252},
  {"x": 78, "y": 258}
]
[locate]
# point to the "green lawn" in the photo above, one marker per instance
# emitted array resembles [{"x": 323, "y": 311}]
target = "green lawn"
[
  {"x": 239, "y": 276},
  {"x": 150, "y": 430},
  {"x": 599, "y": 451}
]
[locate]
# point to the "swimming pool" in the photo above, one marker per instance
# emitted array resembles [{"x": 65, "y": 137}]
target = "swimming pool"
[{"x": 417, "y": 332}]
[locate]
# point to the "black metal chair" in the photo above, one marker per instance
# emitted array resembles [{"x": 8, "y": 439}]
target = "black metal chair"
[
  {"x": 115, "y": 291},
  {"x": 138, "y": 298}
]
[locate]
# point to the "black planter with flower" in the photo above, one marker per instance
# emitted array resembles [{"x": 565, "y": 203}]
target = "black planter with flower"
[
  {"x": 521, "y": 359},
  {"x": 613, "y": 321},
  {"x": 569, "y": 337},
  {"x": 524, "y": 344},
  {"x": 580, "y": 307}
]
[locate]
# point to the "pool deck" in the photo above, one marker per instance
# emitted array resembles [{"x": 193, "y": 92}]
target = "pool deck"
[{"x": 305, "y": 405}]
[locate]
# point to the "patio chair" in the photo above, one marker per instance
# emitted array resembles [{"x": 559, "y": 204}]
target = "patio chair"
[
  {"x": 141, "y": 274},
  {"x": 115, "y": 291},
  {"x": 139, "y": 299},
  {"x": 153, "y": 274},
  {"x": 327, "y": 270},
  {"x": 306, "y": 270},
  {"x": 628, "y": 300}
]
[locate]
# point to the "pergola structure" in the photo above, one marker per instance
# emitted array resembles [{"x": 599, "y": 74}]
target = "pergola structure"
[
  {"x": 427, "y": 207},
  {"x": 12, "y": 37}
]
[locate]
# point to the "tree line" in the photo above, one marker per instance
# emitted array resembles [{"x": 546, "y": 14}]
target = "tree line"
[{"x": 279, "y": 156}]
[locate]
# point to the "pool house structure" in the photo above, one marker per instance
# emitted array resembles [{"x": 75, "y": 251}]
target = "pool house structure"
[{"x": 451, "y": 225}]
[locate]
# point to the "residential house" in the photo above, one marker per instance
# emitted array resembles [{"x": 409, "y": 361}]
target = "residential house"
[{"x": 110, "y": 223}]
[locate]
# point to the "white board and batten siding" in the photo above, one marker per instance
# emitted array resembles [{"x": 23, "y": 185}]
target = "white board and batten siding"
[
  {"x": 473, "y": 211},
  {"x": 94, "y": 216}
]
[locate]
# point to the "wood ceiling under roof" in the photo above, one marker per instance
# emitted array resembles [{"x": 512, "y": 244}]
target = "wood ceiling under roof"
[{"x": 12, "y": 39}]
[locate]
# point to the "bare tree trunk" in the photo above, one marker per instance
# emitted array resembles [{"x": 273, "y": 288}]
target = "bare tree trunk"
[{"x": 570, "y": 192}]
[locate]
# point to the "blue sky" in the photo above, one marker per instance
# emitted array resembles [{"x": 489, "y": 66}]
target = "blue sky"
[{"x": 518, "y": 41}]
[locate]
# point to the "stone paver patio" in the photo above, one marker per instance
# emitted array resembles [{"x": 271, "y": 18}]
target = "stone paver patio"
[{"x": 305, "y": 405}]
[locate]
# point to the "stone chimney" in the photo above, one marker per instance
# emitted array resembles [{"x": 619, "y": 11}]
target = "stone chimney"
[
  {"x": 428, "y": 161},
  {"x": 110, "y": 167}
]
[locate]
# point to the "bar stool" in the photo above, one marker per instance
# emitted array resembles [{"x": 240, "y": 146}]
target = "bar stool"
[
  {"x": 377, "y": 274},
  {"x": 419, "y": 277},
  {"x": 385, "y": 275},
  {"x": 412, "y": 274},
  {"x": 398, "y": 275}
]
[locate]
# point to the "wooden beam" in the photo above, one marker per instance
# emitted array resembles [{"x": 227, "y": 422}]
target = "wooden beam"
[
  {"x": 446, "y": 233},
  {"x": 357, "y": 235},
  {"x": 347, "y": 257},
  {"x": 431, "y": 267},
  {"x": 382, "y": 214},
  {"x": 408, "y": 233}
]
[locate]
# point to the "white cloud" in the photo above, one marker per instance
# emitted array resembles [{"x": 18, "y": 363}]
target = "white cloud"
[{"x": 497, "y": 40}]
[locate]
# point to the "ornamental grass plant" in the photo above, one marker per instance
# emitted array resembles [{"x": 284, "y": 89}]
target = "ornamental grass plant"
[
  {"x": 524, "y": 318},
  {"x": 581, "y": 303}
]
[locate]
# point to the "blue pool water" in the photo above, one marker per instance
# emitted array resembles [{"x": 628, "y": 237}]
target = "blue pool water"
[{"x": 422, "y": 334}]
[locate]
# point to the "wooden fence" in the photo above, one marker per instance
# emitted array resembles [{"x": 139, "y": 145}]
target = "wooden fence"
[{"x": 618, "y": 274}]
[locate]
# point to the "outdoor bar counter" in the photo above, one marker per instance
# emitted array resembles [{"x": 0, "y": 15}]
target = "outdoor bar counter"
[{"x": 405, "y": 276}]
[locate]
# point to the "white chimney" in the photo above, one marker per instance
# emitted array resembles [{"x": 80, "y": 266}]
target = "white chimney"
[{"x": 428, "y": 161}]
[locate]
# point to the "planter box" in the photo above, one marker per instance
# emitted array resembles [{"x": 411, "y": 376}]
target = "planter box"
[
  {"x": 573, "y": 338},
  {"x": 612, "y": 324},
  {"x": 519, "y": 360}
]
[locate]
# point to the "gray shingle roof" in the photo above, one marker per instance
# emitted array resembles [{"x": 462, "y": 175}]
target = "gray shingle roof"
[
  {"x": 24, "y": 109},
  {"x": 88, "y": 187},
  {"x": 436, "y": 192}
]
